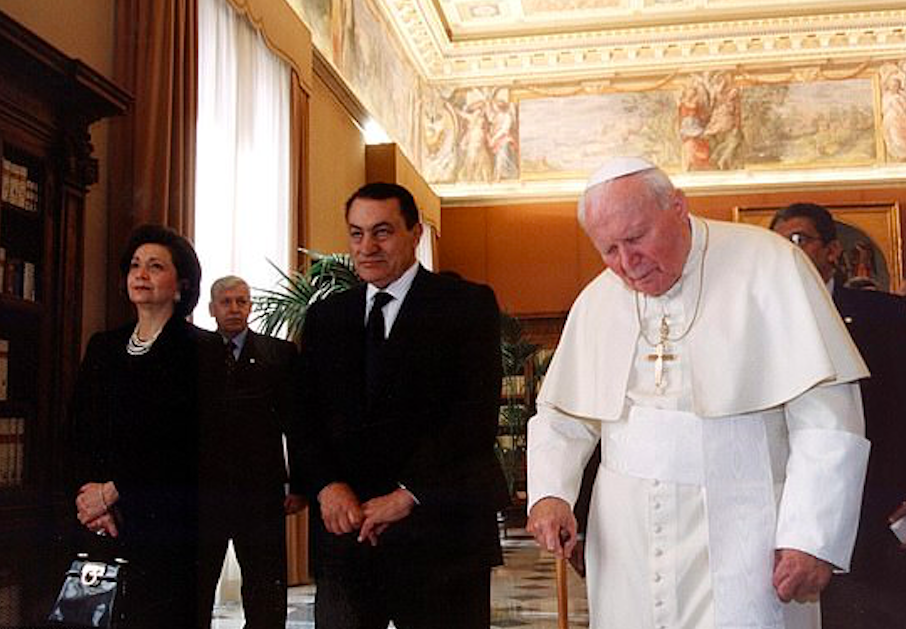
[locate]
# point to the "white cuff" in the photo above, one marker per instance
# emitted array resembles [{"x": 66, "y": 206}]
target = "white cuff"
[{"x": 819, "y": 510}]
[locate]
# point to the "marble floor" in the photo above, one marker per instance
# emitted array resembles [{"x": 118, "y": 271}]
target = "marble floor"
[{"x": 523, "y": 594}]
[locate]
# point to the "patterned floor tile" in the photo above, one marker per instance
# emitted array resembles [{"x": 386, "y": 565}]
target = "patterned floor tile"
[{"x": 522, "y": 594}]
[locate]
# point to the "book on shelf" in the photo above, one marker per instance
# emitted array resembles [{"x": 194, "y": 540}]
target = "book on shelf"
[
  {"x": 7, "y": 179},
  {"x": 31, "y": 196},
  {"x": 19, "y": 184},
  {"x": 17, "y": 188},
  {"x": 28, "y": 281},
  {"x": 4, "y": 370},
  {"x": 12, "y": 277},
  {"x": 12, "y": 451}
]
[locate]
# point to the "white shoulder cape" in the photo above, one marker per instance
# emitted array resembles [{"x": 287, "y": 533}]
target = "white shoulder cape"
[{"x": 767, "y": 332}]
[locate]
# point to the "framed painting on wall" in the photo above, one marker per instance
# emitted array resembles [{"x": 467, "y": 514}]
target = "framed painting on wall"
[{"x": 869, "y": 233}]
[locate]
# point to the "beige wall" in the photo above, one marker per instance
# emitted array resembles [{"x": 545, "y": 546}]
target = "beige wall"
[
  {"x": 336, "y": 169},
  {"x": 82, "y": 29},
  {"x": 537, "y": 258}
]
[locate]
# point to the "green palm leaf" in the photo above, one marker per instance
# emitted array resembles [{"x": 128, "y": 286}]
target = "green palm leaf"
[{"x": 283, "y": 307}]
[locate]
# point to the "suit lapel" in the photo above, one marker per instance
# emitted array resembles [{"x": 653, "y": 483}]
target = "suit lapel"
[{"x": 249, "y": 350}]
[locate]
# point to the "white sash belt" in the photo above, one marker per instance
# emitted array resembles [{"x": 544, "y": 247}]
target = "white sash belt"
[{"x": 730, "y": 457}]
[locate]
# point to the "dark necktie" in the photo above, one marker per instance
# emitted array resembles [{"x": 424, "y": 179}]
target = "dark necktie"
[
  {"x": 374, "y": 338},
  {"x": 230, "y": 357}
]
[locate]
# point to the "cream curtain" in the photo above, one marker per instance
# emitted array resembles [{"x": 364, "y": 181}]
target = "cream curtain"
[
  {"x": 243, "y": 181},
  {"x": 425, "y": 251}
]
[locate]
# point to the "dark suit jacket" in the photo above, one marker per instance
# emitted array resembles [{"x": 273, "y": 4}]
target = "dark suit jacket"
[
  {"x": 431, "y": 424},
  {"x": 243, "y": 446},
  {"x": 877, "y": 323}
]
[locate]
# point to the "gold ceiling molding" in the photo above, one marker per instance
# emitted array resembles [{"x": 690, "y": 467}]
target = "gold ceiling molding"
[
  {"x": 802, "y": 75},
  {"x": 826, "y": 70},
  {"x": 578, "y": 55},
  {"x": 593, "y": 87}
]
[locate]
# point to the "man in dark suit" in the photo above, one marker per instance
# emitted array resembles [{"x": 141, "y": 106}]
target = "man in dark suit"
[
  {"x": 399, "y": 404},
  {"x": 242, "y": 462},
  {"x": 871, "y": 595}
]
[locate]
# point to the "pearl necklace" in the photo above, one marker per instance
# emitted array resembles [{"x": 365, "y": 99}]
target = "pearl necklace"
[{"x": 136, "y": 346}]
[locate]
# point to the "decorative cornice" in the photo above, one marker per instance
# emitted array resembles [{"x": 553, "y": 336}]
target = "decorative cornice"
[{"x": 645, "y": 50}]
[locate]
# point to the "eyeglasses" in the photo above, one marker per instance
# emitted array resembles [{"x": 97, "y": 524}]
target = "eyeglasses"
[{"x": 800, "y": 239}]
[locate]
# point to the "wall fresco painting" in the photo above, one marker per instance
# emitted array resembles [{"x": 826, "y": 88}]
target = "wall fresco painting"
[
  {"x": 892, "y": 77},
  {"x": 470, "y": 135},
  {"x": 705, "y": 121},
  {"x": 316, "y": 16},
  {"x": 388, "y": 86},
  {"x": 570, "y": 137},
  {"x": 710, "y": 122},
  {"x": 825, "y": 123},
  {"x": 354, "y": 38}
]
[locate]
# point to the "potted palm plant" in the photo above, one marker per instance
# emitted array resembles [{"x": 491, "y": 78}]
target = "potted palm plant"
[{"x": 284, "y": 306}]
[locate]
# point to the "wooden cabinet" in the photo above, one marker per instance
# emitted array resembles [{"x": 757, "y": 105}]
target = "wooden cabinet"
[{"x": 47, "y": 102}]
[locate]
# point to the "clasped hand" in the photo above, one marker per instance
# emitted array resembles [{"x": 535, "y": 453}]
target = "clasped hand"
[
  {"x": 93, "y": 503},
  {"x": 799, "y": 576},
  {"x": 342, "y": 512}
]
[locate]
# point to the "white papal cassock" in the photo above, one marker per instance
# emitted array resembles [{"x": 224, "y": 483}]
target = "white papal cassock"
[{"x": 752, "y": 443}]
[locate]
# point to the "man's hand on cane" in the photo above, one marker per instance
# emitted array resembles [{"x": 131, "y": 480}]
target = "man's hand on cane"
[{"x": 553, "y": 524}]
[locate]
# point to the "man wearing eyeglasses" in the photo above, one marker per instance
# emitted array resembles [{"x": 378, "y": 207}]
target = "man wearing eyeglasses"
[{"x": 871, "y": 595}]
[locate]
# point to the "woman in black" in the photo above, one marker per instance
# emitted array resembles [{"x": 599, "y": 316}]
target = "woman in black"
[{"x": 137, "y": 417}]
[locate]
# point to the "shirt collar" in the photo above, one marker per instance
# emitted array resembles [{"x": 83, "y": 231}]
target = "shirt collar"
[
  {"x": 238, "y": 340},
  {"x": 399, "y": 288}
]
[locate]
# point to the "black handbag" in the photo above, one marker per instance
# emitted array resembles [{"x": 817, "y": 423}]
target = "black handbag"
[{"x": 92, "y": 595}]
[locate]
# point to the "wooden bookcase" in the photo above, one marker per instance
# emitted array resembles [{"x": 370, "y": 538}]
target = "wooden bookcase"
[{"x": 47, "y": 102}]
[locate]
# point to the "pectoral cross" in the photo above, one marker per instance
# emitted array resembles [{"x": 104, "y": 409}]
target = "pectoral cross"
[{"x": 660, "y": 355}]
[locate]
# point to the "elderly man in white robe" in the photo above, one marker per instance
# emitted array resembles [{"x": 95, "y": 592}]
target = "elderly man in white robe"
[{"x": 712, "y": 366}]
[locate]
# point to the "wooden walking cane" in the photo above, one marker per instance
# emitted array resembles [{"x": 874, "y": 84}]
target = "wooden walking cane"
[{"x": 562, "y": 594}]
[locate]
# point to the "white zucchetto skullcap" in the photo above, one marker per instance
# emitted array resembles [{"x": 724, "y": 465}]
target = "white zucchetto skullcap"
[{"x": 617, "y": 167}]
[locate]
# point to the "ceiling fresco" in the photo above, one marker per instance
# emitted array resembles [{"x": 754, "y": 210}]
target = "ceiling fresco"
[
  {"x": 503, "y": 99},
  {"x": 493, "y": 19},
  {"x": 458, "y": 41}
]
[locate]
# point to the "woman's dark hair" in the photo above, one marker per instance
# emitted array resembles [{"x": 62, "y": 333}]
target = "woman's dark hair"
[{"x": 188, "y": 269}]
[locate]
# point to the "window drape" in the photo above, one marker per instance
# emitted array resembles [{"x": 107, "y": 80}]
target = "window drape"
[
  {"x": 425, "y": 251},
  {"x": 243, "y": 182}
]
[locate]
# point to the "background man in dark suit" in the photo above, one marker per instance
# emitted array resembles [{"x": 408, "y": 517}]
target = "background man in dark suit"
[
  {"x": 871, "y": 595},
  {"x": 243, "y": 466},
  {"x": 399, "y": 404}
]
